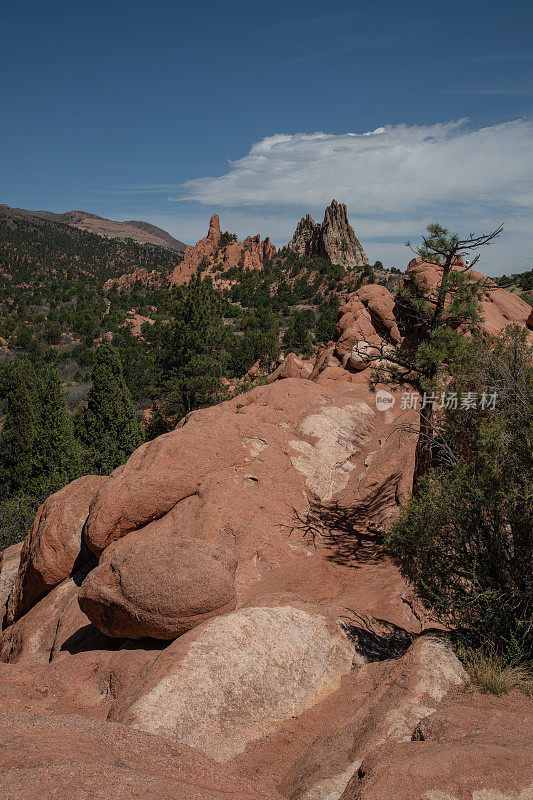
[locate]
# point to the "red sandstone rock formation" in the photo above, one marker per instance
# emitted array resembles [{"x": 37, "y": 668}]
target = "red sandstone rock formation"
[
  {"x": 135, "y": 322},
  {"x": 240, "y": 537},
  {"x": 53, "y": 547},
  {"x": 152, "y": 280},
  {"x": 69, "y": 757},
  {"x": 333, "y": 240},
  {"x": 207, "y": 255},
  {"x": 499, "y": 307}
]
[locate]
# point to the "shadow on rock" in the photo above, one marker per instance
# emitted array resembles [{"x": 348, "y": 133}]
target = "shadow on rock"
[
  {"x": 351, "y": 533},
  {"x": 377, "y": 639}
]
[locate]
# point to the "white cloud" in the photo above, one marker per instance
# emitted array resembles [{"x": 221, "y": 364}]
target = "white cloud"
[
  {"x": 391, "y": 169},
  {"x": 394, "y": 180}
]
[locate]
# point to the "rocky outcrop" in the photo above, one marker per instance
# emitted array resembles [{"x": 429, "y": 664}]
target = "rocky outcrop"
[
  {"x": 151, "y": 280},
  {"x": 208, "y": 256},
  {"x": 333, "y": 240},
  {"x": 9, "y": 567},
  {"x": 135, "y": 322},
  {"x": 499, "y": 308},
  {"x": 306, "y": 238},
  {"x": 474, "y": 745},
  {"x": 238, "y": 678}
]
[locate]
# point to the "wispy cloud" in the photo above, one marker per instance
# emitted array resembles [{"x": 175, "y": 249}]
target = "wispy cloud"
[
  {"x": 162, "y": 188},
  {"x": 338, "y": 49},
  {"x": 319, "y": 21}
]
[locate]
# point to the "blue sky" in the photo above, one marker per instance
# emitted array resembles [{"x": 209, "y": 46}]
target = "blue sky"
[{"x": 169, "y": 111}]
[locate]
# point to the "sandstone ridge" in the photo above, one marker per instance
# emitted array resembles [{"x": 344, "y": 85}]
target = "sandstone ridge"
[{"x": 210, "y": 254}]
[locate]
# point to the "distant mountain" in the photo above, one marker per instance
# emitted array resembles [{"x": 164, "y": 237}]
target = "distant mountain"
[
  {"x": 137, "y": 230},
  {"x": 37, "y": 250}
]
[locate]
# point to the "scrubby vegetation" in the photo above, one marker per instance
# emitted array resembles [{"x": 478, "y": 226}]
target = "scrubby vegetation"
[
  {"x": 491, "y": 671},
  {"x": 465, "y": 540}
]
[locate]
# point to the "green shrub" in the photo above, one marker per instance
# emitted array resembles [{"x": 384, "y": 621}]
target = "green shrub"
[{"x": 465, "y": 542}]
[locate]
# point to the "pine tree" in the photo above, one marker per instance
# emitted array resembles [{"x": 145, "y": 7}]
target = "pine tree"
[
  {"x": 108, "y": 427},
  {"x": 56, "y": 453},
  {"x": 192, "y": 350},
  {"x": 17, "y": 442},
  {"x": 430, "y": 320},
  {"x": 38, "y": 451}
]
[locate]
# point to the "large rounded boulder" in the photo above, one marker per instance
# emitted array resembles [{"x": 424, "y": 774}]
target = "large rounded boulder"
[{"x": 160, "y": 586}]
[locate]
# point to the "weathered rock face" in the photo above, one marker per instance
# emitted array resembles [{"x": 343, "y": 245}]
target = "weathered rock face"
[
  {"x": 474, "y": 746},
  {"x": 338, "y": 241},
  {"x": 314, "y": 755},
  {"x": 161, "y": 592},
  {"x": 152, "y": 280},
  {"x": 306, "y": 238},
  {"x": 207, "y": 255},
  {"x": 52, "y": 551},
  {"x": 365, "y": 319},
  {"x": 9, "y": 567},
  {"x": 499, "y": 308},
  {"x": 238, "y": 678},
  {"x": 333, "y": 240},
  {"x": 60, "y": 756}
]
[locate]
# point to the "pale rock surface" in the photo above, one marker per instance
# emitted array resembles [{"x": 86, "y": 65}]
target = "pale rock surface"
[
  {"x": 9, "y": 567},
  {"x": 473, "y": 746},
  {"x": 316, "y": 754},
  {"x": 237, "y": 678},
  {"x": 339, "y": 244}
]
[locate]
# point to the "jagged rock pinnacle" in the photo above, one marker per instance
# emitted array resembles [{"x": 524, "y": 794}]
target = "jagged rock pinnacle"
[{"x": 334, "y": 239}]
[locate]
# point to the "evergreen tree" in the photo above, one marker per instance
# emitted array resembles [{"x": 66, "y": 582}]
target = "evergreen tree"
[
  {"x": 430, "y": 319},
  {"x": 17, "y": 441},
  {"x": 56, "y": 453},
  {"x": 465, "y": 541},
  {"x": 38, "y": 451},
  {"x": 108, "y": 427},
  {"x": 297, "y": 336},
  {"x": 191, "y": 350}
]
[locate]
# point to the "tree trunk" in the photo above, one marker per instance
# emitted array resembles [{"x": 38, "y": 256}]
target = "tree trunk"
[{"x": 424, "y": 447}]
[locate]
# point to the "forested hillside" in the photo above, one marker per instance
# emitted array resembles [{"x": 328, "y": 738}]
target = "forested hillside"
[{"x": 94, "y": 366}]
